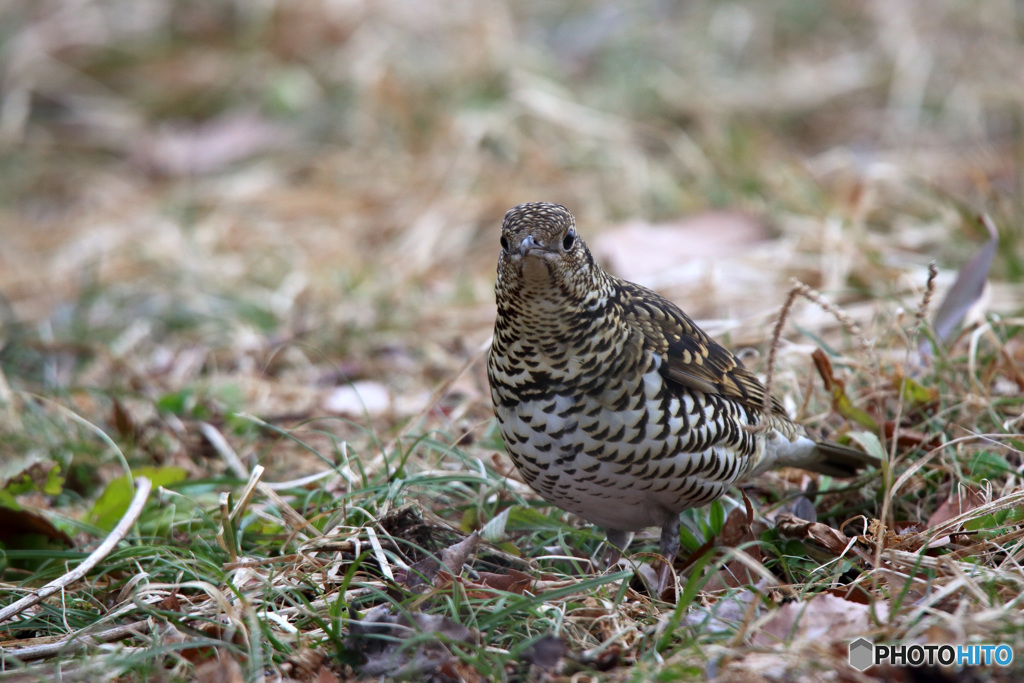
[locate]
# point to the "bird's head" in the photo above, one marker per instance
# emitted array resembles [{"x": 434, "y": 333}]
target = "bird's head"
[{"x": 541, "y": 251}]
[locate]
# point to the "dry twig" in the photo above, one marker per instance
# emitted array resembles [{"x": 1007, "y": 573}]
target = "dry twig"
[{"x": 142, "y": 489}]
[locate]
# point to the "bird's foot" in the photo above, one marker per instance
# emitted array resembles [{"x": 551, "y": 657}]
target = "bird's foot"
[
  {"x": 657, "y": 575},
  {"x": 666, "y": 585},
  {"x": 615, "y": 543}
]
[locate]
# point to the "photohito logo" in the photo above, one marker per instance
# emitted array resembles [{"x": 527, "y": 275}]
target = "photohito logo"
[{"x": 864, "y": 653}]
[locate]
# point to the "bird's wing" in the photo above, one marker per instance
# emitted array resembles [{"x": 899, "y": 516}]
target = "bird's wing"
[{"x": 690, "y": 357}]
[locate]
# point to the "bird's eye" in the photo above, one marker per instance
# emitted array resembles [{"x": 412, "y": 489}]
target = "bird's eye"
[
  {"x": 504, "y": 243},
  {"x": 569, "y": 240}
]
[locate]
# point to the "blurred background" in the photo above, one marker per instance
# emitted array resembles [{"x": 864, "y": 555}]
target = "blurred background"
[{"x": 292, "y": 208}]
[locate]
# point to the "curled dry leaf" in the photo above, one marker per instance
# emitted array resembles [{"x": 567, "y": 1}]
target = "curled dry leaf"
[
  {"x": 455, "y": 556},
  {"x": 911, "y": 438},
  {"x": 433, "y": 572},
  {"x": 905, "y": 536},
  {"x": 841, "y": 403},
  {"x": 790, "y": 526}
]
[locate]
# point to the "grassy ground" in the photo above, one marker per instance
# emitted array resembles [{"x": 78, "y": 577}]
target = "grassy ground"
[{"x": 247, "y": 254}]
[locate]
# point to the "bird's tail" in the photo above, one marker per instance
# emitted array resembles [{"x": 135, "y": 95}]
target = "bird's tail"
[
  {"x": 823, "y": 457},
  {"x": 837, "y": 461}
]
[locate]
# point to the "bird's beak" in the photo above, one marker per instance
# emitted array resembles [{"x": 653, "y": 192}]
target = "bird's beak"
[{"x": 529, "y": 245}]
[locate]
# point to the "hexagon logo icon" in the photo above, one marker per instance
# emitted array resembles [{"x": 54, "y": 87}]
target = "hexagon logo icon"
[{"x": 862, "y": 654}]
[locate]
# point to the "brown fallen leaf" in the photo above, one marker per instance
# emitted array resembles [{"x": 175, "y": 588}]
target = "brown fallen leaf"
[
  {"x": 455, "y": 556},
  {"x": 910, "y": 438},
  {"x": 903, "y": 535},
  {"x": 841, "y": 403},
  {"x": 514, "y": 582},
  {"x": 912, "y": 536},
  {"x": 206, "y": 648},
  {"x": 546, "y": 653},
  {"x": 824, "y": 618},
  {"x": 738, "y": 531},
  {"x": 853, "y": 593},
  {"x": 381, "y": 638},
  {"x": 20, "y": 526},
  {"x": 223, "y": 669},
  {"x": 724, "y": 612},
  {"x": 967, "y": 499},
  {"x": 790, "y": 526},
  {"x": 431, "y": 571},
  {"x": 325, "y": 675}
]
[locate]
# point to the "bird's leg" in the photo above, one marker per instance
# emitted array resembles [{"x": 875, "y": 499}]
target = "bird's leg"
[
  {"x": 669, "y": 549},
  {"x": 617, "y": 542},
  {"x": 670, "y": 538}
]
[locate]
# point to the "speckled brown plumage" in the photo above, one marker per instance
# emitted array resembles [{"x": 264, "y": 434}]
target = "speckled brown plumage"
[{"x": 612, "y": 403}]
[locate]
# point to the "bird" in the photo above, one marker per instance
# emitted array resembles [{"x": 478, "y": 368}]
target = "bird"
[{"x": 612, "y": 403}]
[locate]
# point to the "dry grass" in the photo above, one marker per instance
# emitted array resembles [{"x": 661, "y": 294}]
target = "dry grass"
[{"x": 217, "y": 219}]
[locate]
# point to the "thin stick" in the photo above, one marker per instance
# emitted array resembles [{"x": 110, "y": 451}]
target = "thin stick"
[
  {"x": 131, "y": 515},
  {"x": 839, "y": 314},
  {"x": 929, "y": 290},
  {"x": 77, "y": 641},
  {"x": 813, "y": 295},
  {"x": 773, "y": 350},
  {"x": 798, "y": 288}
]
